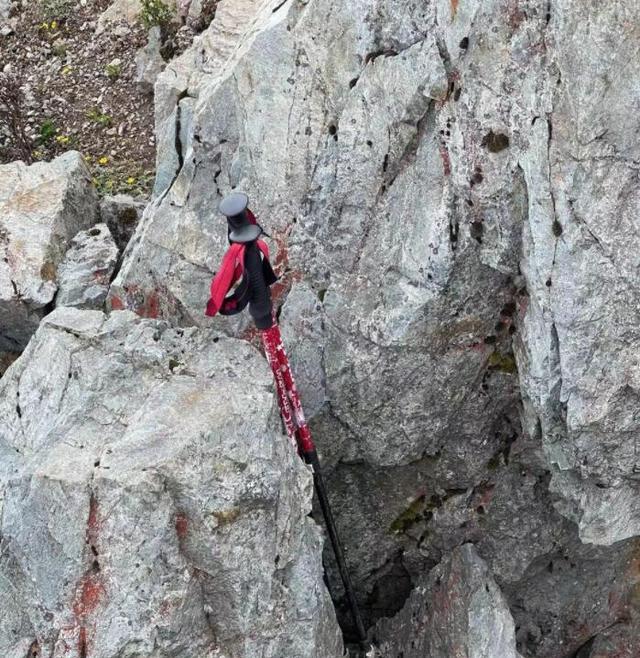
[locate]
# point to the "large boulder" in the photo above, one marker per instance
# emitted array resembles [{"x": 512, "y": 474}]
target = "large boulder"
[
  {"x": 150, "y": 504},
  {"x": 42, "y": 206}
]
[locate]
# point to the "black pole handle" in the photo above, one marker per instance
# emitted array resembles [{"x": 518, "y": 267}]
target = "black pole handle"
[{"x": 260, "y": 306}]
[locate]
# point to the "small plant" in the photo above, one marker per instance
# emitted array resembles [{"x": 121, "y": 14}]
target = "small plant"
[
  {"x": 155, "y": 12},
  {"x": 99, "y": 117},
  {"x": 47, "y": 131},
  {"x": 113, "y": 70},
  {"x": 59, "y": 48}
]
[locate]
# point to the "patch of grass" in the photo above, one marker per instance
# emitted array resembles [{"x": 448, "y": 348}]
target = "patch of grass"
[
  {"x": 99, "y": 118},
  {"x": 113, "y": 71},
  {"x": 59, "y": 49},
  {"x": 47, "y": 131},
  {"x": 119, "y": 178}
]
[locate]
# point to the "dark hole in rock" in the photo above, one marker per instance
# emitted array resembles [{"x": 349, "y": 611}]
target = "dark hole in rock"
[
  {"x": 476, "y": 231},
  {"x": 556, "y": 228},
  {"x": 464, "y": 43},
  {"x": 495, "y": 142}
]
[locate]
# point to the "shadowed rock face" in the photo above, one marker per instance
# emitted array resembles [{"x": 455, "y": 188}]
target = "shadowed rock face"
[
  {"x": 457, "y": 611},
  {"x": 149, "y": 504},
  {"x": 451, "y": 191},
  {"x": 42, "y": 206}
]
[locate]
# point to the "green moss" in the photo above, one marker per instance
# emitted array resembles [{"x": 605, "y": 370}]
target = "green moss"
[
  {"x": 503, "y": 363},
  {"x": 409, "y": 517}
]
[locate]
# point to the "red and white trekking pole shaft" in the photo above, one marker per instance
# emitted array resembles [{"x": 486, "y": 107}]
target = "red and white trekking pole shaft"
[{"x": 291, "y": 410}]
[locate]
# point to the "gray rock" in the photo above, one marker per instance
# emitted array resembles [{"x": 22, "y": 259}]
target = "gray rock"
[
  {"x": 121, "y": 214},
  {"x": 569, "y": 600},
  {"x": 149, "y": 62},
  {"x": 86, "y": 270},
  {"x": 119, "y": 11},
  {"x": 403, "y": 160},
  {"x": 457, "y": 611},
  {"x": 42, "y": 206},
  {"x": 149, "y": 502},
  {"x": 577, "y": 355}
]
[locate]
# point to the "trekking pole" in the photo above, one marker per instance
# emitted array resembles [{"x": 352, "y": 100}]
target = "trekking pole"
[{"x": 247, "y": 264}]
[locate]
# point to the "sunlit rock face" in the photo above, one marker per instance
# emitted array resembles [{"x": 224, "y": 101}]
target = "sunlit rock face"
[
  {"x": 149, "y": 503},
  {"x": 42, "y": 207}
]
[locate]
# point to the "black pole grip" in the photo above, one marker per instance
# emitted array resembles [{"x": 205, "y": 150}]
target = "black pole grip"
[{"x": 259, "y": 293}]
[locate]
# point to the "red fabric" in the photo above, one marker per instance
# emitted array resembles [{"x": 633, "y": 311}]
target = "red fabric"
[{"x": 230, "y": 271}]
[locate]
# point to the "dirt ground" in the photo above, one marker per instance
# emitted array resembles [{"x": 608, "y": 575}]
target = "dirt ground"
[{"x": 72, "y": 89}]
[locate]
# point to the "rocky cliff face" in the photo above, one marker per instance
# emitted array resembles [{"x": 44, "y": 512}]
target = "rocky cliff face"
[
  {"x": 451, "y": 190},
  {"x": 451, "y": 187}
]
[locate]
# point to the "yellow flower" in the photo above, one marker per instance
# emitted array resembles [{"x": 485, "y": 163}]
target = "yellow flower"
[
  {"x": 44, "y": 26},
  {"x": 62, "y": 139},
  {"x": 66, "y": 70},
  {"x": 103, "y": 160},
  {"x": 54, "y": 25},
  {"x": 131, "y": 180}
]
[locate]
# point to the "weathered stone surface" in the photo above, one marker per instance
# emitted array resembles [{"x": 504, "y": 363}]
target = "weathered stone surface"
[
  {"x": 568, "y": 599},
  {"x": 578, "y": 355},
  {"x": 149, "y": 504},
  {"x": 149, "y": 61},
  {"x": 415, "y": 166},
  {"x": 126, "y": 11},
  {"x": 42, "y": 206},
  {"x": 121, "y": 214},
  {"x": 457, "y": 611},
  {"x": 85, "y": 273}
]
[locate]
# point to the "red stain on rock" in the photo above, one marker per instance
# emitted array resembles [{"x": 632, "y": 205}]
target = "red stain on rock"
[
  {"x": 182, "y": 526},
  {"x": 516, "y": 15},
  {"x": 116, "y": 303},
  {"x": 446, "y": 160},
  {"x": 280, "y": 289},
  {"x": 454, "y": 8},
  {"x": 151, "y": 308},
  {"x": 147, "y": 303},
  {"x": 90, "y": 590}
]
